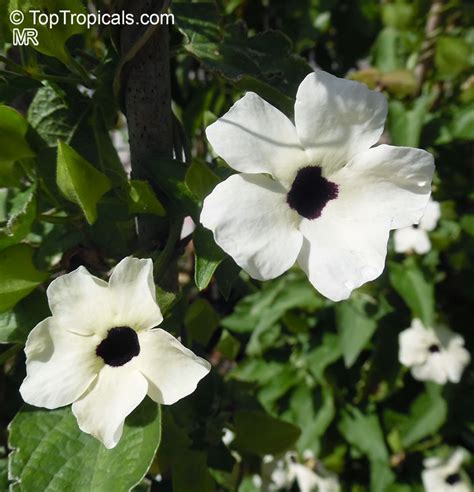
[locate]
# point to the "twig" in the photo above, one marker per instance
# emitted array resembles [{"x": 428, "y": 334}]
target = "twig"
[{"x": 427, "y": 48}]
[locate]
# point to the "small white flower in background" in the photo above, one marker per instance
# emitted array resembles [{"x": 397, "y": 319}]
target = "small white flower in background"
[
  {"x": 311, "y": 476},
  {"x": 99, "y": 352},
  {"x": 433, "y": 354},
  {"x": 444, "y": 475},
  {"x": 416, "y": 238},
  {"x": 228, "y": 436},
  {"x": 315, "y": 191}
]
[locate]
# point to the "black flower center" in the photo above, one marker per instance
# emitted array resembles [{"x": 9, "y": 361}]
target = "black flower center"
[
  {"x": 310, "y": 192},
  {"x": 434, "y": 348},
  {"x": 119, "y": 346},
  {"x": 453, "y": 479}
]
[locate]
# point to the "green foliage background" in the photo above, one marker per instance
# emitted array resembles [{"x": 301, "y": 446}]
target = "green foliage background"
[{"x": 291, "y": 369}]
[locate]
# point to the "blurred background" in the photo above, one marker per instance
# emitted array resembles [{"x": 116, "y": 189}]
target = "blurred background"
[{"x": 293, "y": 372}]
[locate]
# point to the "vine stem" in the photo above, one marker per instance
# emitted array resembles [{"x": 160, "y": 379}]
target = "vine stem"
[
  {"x": 143, "y": 77},
  {"x": 427, "y": 48}
]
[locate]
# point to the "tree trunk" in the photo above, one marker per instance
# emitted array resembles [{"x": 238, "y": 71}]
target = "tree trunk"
[{"x": 147, "y": 95}]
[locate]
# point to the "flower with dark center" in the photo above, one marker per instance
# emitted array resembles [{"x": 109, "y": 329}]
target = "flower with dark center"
[
  {"x": 101, "y": 352},
  {"x": 314, "y": 191},
  {"x": 443, "y": 475},
  {"x": 433, "y": 354},
  {"x": 415, "y": 238}
]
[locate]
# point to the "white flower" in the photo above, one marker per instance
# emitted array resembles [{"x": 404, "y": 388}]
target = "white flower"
[
  {"x": 434, "y": 354},
  {"x": 99, "y": 352},
  {"x": 314, "y": 191},
  {"x": 416, "y": 238},
  {"x": 278, "y": 474},
  {"x": 443, "y": 475},
  {"x": 228, "y": 436}
]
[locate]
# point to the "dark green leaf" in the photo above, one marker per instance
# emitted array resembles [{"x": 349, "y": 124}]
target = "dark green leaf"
[
  {"x": 18, "y": 275},
  {"x": 79, "y": 181},
  {"x": 364, "y": 433},
  {"x": 259, "y": 433},
  {"x": 201, "y": 320},
  {"x": 51, "y": 40},
  {"x": 200, "y": 179},
  {"x": 208, "y": 256},
  {"x": 355, "y": 327},
  {"x": 143, "y": 199},
  {"x": 426, "y": 416},
  {"x": 51, "y": 453},
  {"x": 418, "y": 294},
  {"x": 13, "y": 128}
]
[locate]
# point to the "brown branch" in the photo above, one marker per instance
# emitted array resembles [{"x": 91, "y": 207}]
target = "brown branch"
[
  {"x": 427, "y": 48},
  {"x": 145, "y": 84}
]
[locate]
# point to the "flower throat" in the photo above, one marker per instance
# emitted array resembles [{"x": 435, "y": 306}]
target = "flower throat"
[{"x": 310, "y": 192}]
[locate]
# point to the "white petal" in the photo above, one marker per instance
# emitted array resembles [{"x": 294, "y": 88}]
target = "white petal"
[
  {"x": 414, "y": 344},
  {"x": 255, "y": 137},
  {"x": 60, "y": 365},
  {"x": 102, "y": 410},
  {"x": 172, "y": 370},
  {"x": 306, "y": 479},
  {"x": 337, "y": 118},
  {"x": 455, "y": 359},
  {"x": 387, "y": 183},
  {"x": 456, "y": 459},
  {"x": 431, "y": 216},
  {"x": 133, "y": 295},
  {"x": 431, "y": 370},
  {"x": 339, "y": 254},
  {"x": 252, "y": 222},
  {"x": 80, "y": 302},
  {"x": 411, "y": 239}
]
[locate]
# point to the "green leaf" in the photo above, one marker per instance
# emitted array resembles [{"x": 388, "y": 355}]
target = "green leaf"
[
  {"x": 143, "y": 199},
  {"x": 259, "y": 433},
  {"x": 79, "y": 181},
  {"x": 312, "y": 410},
  {"x": 51, "y": 40},
  {"x": 451, "y": 56},
  {"x": 266, "y": 57},
  {"x": 13, "y": 128},
  {"x": 228, "y": 346},
  {"x": 54, "y": 114},
  {"x": 259, "y": 311},
  {"x": 21, "y": 217},
  {"x": 15, "y": 325},
  {"x": 355, "y": 328},
  {"x": 364, "y": 433},
  {"x": 201, "y": 320},
  {"x": 3, "y": 474},
  {"x": 327, "y": 352},
  {"x": 169, "y": 177},
  {"x": 51, "y": 453},
  {"x": 18, "y": 275},
  {"x": 381, "y": 476},
  {"x": 200, "y": 179},
  {"x": 427, "y": 414},
  {"x": 208, "y": 256},
  {"x": 387, "y": 50},
  {"x": 191, "y": 474},
  {"x": 410, "y": 283},
  {"x": 398, "y": 15},
  {"x": 462, "y": 126},
  {"x": 405, "y": 123}
]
